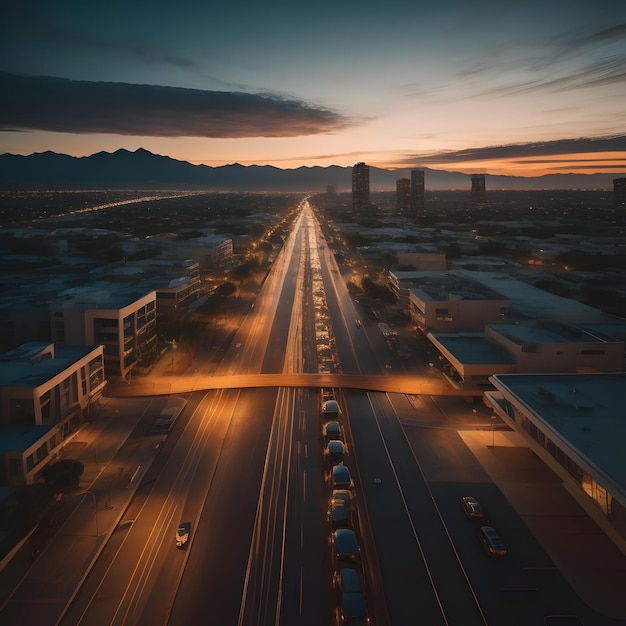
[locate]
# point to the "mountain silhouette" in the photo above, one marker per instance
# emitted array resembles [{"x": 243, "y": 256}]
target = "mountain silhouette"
[{"x": 142, "y": 169}]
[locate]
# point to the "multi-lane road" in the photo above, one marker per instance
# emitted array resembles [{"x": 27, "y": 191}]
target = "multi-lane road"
[{"x": 247, "y": 471}]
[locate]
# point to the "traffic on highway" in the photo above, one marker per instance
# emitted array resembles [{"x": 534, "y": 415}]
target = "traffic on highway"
[{"x": 306, "y": 505}]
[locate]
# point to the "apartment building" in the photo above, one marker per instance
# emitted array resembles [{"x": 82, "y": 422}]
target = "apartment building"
[
  {"x": 46, "y": 392},
  {"x": 360, "y": 186},
  {"x": 121, "y": 318}
]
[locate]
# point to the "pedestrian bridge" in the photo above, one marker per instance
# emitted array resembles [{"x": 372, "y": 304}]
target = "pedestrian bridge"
[{"x": 411, "y": 385}]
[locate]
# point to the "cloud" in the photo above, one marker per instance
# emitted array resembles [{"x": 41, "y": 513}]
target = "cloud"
[
  {"x": 565, "y": 62},
  {"x": 68, "y": 106},
  {"x": 613, "y": 143}
]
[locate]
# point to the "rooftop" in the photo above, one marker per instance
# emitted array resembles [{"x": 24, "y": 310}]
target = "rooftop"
[
  {"x": 101, "y": 295},
  {"x": 473, "y": 349},
  {"x": 544, "y": 332},
  {"x": 33, "y": 364},
  {"x": 439, "y": 286},
  {"x": 585, "y": 410},
  {"x": 22, "y": 438}
]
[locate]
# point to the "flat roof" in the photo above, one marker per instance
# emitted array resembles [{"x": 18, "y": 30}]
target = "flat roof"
[
  {"x": 587, "y": 411},
  {"x": 549, "y": 333},
  {"x": 21, "y": 438},
  {"x": 20, "y": 367},
  {"x": 101, "y": 295},
  {"x": 440, "y": 285},
  {"x": 534, "y": 303},
  {"x": 473, "y": 349}
]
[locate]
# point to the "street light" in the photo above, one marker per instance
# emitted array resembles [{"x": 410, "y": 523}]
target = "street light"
[{"x": 493, "y": 431}]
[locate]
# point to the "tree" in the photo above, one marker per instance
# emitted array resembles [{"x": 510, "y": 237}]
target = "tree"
[
  {"x": 64, "y": 475},
  {"x": 226, "y": 289}
]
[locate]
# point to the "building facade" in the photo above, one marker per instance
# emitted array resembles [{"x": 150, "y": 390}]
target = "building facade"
[
  {"x": 478, "y": 190},
  {"x": 619, "y": 193},
  {"x": 124, "y": 322},
  {"x": 446, "y": 303},
  {"x": 575, "y": 424},
  {"x": 403, "y": 194},
  {"x": 46, "y": 392},
  {"x": 417, "y": 191},
  {"x": 360, "y": 186}
]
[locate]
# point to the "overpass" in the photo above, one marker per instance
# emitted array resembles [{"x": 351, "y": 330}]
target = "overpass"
[{"x": 411, "y": 385}]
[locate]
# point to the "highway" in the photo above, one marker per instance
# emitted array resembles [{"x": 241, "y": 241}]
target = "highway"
[{"x": 245, "y": 467}]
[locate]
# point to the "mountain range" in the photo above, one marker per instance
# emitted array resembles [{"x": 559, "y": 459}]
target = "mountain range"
[{"x": 142, "y": 169}]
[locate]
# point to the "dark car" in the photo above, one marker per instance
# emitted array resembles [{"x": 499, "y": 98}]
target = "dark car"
[
  {"x": 330, "y": 409},
  {"x": 345, "y": 545},
  {"x": 339, "y": 514},
  {"x": 334, "y": 452},
  {"x": 182, "y": 534},
  {"x": 331, "y": 431},
  {"x": 352, "y": 608},
  {"x": 342, "y": 478},
  {"x": 491, "y": 541},
  {"x": 472, "y": 508}
]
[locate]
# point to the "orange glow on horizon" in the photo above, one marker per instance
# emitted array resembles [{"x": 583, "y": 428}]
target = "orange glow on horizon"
[{"x": 582, "y": 163}]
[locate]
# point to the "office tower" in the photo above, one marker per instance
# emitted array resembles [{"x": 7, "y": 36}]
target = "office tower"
[
  {"x": 403, "y": 193},
  {"x": 619, "y": 192},
  {"x": 478, "y": 188},
  {"x": 417, "y": 191},
  {"x": 360, "y": 186}
]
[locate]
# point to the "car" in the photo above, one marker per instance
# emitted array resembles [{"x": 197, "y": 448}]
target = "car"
[
  {"x": 341, "y": 477},
  {"x": 345, "y": 545},
  {"x": 343, "y": 495},
  {"x": 472, "y": 508},
  {"x": 353, "y": 609},
  {"x": 357, "y": 323},
  {"x": 491, "y": 541},
  {"x": 339, "y": 514},
  {"x": 332, "y": 430},
  {"x": 182, "y": 534},
  {"x": 334, "y": 452},
  {"x": 330, "y": 409}
]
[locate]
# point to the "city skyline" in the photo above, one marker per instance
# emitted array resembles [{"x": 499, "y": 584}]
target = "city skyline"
[{"x": 520, "y": 90}]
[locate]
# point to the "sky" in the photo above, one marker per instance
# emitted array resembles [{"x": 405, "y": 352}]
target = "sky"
[{"x": 488, "y": 86}]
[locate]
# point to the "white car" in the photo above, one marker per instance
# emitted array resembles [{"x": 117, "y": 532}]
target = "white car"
[{"x": 182, "y": 534}]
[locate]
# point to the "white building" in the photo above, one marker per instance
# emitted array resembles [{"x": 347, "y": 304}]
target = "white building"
[
  {"x": 122, "y": 319},
  {"x": 46, "y": 392},
  {"x": 575, "y": 424}
]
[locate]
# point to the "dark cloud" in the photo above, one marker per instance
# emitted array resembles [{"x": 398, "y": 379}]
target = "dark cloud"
[
  {"x": 614, "y": 143},
  {"x": 62, "y": 105}
]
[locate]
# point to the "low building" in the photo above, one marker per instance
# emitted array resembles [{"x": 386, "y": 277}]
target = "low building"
[
  {"x": 177, "y": 282},
  {"x": 423, "y": 260},
  {"x": 46, "y": 392},
  {"x": 212, "y": 252},
  {"x": 447, "y": 302},
  {"x": 469, "y": 359},
  {"x": 575, "y": 424},
  {"x": 540, "y": 346}
]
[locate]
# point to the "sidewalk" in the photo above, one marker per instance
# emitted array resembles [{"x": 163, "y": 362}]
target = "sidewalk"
[
  {"x": 590, "y": 562},
  {"x": 35, "y": 589}
]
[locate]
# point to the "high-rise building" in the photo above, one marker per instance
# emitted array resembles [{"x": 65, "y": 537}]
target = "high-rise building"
[
  {"x": 619, "y": 192},
  {"x": 417, "y": 191},
  {"x": 478, "y": 188},
  {"x": 403, "y": 193},
  {"x": 360, "y": 186}
]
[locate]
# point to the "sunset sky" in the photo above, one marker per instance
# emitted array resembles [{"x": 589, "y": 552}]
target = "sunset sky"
[{"x": 492, "y": 86}]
